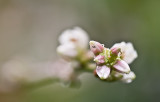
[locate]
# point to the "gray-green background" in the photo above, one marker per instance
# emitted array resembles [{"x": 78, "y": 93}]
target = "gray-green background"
[{"x": 31, "y": 27}]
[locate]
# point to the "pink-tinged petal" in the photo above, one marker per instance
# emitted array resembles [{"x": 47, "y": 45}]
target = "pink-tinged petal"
[
  {"x": 103, "y": 71},
  {"x": 99, "y": 59},
  {"x": 96, "y": 47},
  {"x": 122, "y": 66}
]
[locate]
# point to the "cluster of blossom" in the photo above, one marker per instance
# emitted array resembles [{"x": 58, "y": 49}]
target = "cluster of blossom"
[
  {"x": 112, "y": 64},
  {"x": 73, "y": 48}
]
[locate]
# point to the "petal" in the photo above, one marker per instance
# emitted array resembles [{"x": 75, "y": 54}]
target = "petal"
[
  {"x": 103, "y": 71},
  {"x": 67, "y": 50},
  {"x": 122, "y": 66},
  {"x": 130, "y": 53}
]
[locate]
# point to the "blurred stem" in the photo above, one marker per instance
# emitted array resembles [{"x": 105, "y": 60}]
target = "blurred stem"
[{"x": 40, "y": 83}]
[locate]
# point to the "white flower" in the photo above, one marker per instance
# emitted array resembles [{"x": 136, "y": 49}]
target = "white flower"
[
  {"x": 128, "y": 78},
  {"x": 76, "y": 36},
  {"x": 128, "y": 51},
  {"x": 103, "y": 71},
  {"x": 67, "y": 50}
]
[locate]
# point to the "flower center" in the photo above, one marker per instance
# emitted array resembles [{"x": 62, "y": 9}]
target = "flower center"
[{"x": 73, "y": 40}]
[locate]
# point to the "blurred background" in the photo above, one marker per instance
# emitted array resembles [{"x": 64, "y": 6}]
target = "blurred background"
[{"x": 29, "y": 29}]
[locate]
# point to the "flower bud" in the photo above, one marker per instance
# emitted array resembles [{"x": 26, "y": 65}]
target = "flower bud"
[
  {"x": 115, "y": 50},
  {"x": 96, "y": 47},
  {"x": 103, "y": 71},
  {"x": 122, "y": 66},
  {"x": 99, "y": 59},
  {"x": 128, "y": 78}
]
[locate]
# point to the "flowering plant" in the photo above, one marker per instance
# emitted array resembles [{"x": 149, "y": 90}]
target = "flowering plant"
[
  {"x": 112, "y": 64},
  {"x": 109, "y": 64}
]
